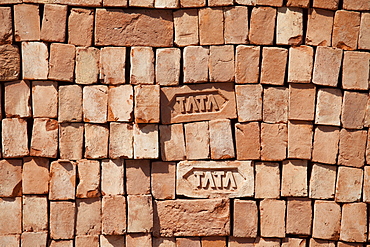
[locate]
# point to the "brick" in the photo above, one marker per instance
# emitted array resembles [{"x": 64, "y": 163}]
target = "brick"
[
  {"x": 62, "y": 180},
  {"x": 141, "y": 3},
  {"x": 11, "y": 1},
  {"x": 247, "y": 64},
  {"x": 192, "y": 217},
  {"x": 167, "y": 66},
  {"x": 300, "y": 140},
  {"x": 249, "y": 102},
  {"x": 246, "y": 2},
  {"x": 80, "y": 26},
  {"x": 146, "y": 141},
  {"x": 267, "y": 183},
  {"x": 352, "y": 147},
  {"x": 211, "y": 22},
  {"x": 188, "y": 242},
  {"x": 172, "y": 142},
  {"x": 35, "y": 175},
  {"x": 112, "y": 177},
  {"x": 343, "y": 244},
  {"x": 299, "y": 216},
  {"x": 6, "y": 30},
  {"x": 62, "y": 62},
  {"x": 88, "y": 217},
  {"x": 275, "y": 3},
  {"x": 61, "y": 243},
  {"x": 325, "y": 144},
  {"x": 87, "y": 65},
  {"x": 327, "y": 65},
  {"x": 138, "y": 240},
  {"x": 147, "y": 106},
  {"x": 44, "y": 142},
  {"x": 88, "y": 178},
  {"x": 349, "y": 184},
  {"x": 326, "y": 222},
  {"x": 53, "y": 28},
  {"x": 275, "y": 104},
  {"x": 197, "y": 140},
  {"x": 213, "y": 241},
  {"x": 164, "y": 242},
  {"x": 62, "y": 220},
  {"x": 71, "y": 140},
  {"x": 273, "y": 59},
  {"x": 10, "y": 178},
  {"x": 300, "y": 64},
  {"x": 221, "y": 140},
  {"x": 355, "y": 73},
  {"x": 14, "y": 138},
  {"x": 26, "y": 22},
  {"x": 44, "y": 99},
  {"x": 167, "y": 4},
  {"x": 86, "y": 3},
  {"x": 186, "y": 25},
  {"x": 116, "y": 110},
  {"x": 112, "y": 65},
  {"x": 289, "y": 26},
  {"x": 364, "y": 34},
  {"x": 112, "y": 240},
  {"x": 35, "y": 213},
  {"x": 353, "y": 109},
  {"x": 96, "y": 141},
  {"x": 70, "y": 103},
  {"x": 240, "y": 242},
  {"x": 34, "y": 239},
  {"x": 195, "y": 64},
  {"x": 163, "y": 180},
  {"x": 358, "y": 5},
  {"x": 138, "y": 177},
  {"x": 272, "y": 218},
  {"x": 262, "y": 26},
  {"x": 287, "y": 242},
  {"x": 120, "y": 140},
  {"x": 221, "y": 63},
  {"x": 319, "y": 27},
  {"x": 35, "y": 60},
  {"x": 302, "y": 101},
  {"x": 140, "y": 213},
  {"x": 267, "y": 242},
  {"x": 10, "y": 62},
  {"x": 87, "y": 240},
  {"x": 274, "y": 140},
  {"x": 236, "y": 25},
  {"x": 366, "y": 187},
  {"x": 142, "y": 65},
  {"x": 95, "y": 103},
  {"x": 324, "y": 4},
  {"x": 248, "y": 141},
  {"x": 17, "y": 99},
  {"x": 11, "y": 215},
  {"x": 322, "y": 181},
  {"x": 144, "y": 27},
  {"x": 328, "y": 106},
  {"x": 346, "y": 29},
  {"x": 354, "y": 222},
  {"x": 298, "y": 3},
  {"x": 245, "y": 219},
  {"x": 321, "y": 243},
  {"x": 294, "y": 178}
]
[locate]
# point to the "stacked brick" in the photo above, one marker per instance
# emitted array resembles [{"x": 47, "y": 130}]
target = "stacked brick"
[{"x": 184, "y": 123}]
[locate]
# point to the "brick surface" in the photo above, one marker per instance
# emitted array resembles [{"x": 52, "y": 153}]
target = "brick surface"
[
  {"x": 236, "y": 25},
  {"x": 11, "y": 178},
  {"x": 262, "y": 26},
  {"x": 88, "y": 216},
  {"x": 87, "y": 240},
  {"x": 167, "y": 4},
  {"x": 221, "y": 140},
  {"x": 80, "y": 26},
  {"x": 163, "y": 180},
  {"x": 301, "y": 101},
  {"x": 62, "y": 219},
  {"x": 87, "y": 65},
  {"x": 326, "y": 222},
  {"x": 95, "y": 103},
  {"x": 6, "y": 30},
  {"x": 120, "y": 140},
  {"x": 298, "y": 3},
  {"x": 142, "y": 65},
  {"x": 289, "y": 26},
  {"x": 138, "y": 240},
  {"x": 164, "y": 242},
  {"x": 96, "y": 141},
  {"x": 247, "y": 64},
  {"x": 197, "y": 140},
  {"x": 354, "y": 224},
  {"x": 62, "y": 62},
  {"x": 44, "y": 142},
  {"x": 53, "y": 27},
  {"x": 186, "y": 25},
  {"x": 112, "y": 65},
  {"x": 61, "y": 243},
  {"x": 294, "y": 178},
  {"x": 300, "y": 140},
  {"x": 17, "y": 99},
  {"x": 300, "y": 64},
  {"x": 322, "y": 181},
  {"x": 211, "y": 23},
  {"x": 34, "y": 239},
  {"x": 45, "y": 99},
  {"x": 213, "y": 241},
  {"x": 328, "y": 106},
  {"x": 167, "y": 66},
  {"x": 221, "y": 63},
  {"x": 140, "y": 213},
  {"x": 172, "y": 142},
  {"x": 35, "y": 213},
  {"x": 112, "y": 177},
  {"x": 70, "y": 103},
  {"x": 355, "y": 73},
  {"x": 274, "y": 62},
  {"x": 324, "y": 4},
  {"x": 325, "y": 144},
  {"x": 35, "y": 60},
  {"x": 88, "y": 178},
  {"x": 318, "y": 243},
  {"x": 267, "y": 242},
  {"x": 353, "y": 109},
  {"x": 146, "y": 141},
  {"x": 349, "y": 184},
  {"x": 327, "y": 65},
  {"x": 195, "y": 64},
  {"x": 213, "y": 3},
  {"x": 112, "y": 240},
  {"x": 71, "y": 140},
  {"x": 299, "y": 216},
  {"x": 366, "y": 187},
  {"x": 35, "y": 175},
  {"x": 346, "y": 29},
  {"x": 272, "y": 218},
  {"x": 359, "y": 5},
  {"x": 62, "y": 184},
  {"x": 267, "y": 182},
  {"x": 275, "y": 104},
  {"x": 137, "y": 177},
  {"x": 276, "y": 3},
  {"x": 116, "y": 110},
  {"x": 352, "y": 145},
  {"x": 287, "y": 242},
  {"x": 274, "y": 140},
  {"x": 188, "y": 242},
  {"x": 11, "y": 215},
  {"x": 26, "y": 22},
  {"x": 245, "y": 219},
  {"x": 14, "y": 138},
  {"x": 10, "y": 62},
  {"x": 364, "y": 35},
  {"x": 248, "y": 142},
  {"x": 319, "y": 27},
  {"x": 147, "y": 103},
  {"x": 249, "y": 102}
]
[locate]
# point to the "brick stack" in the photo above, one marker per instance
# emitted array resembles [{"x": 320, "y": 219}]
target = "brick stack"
[{"x": 184, "y": 123}]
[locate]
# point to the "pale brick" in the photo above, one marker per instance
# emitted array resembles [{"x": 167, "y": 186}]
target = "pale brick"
[
  {"x": 197, "y": 140},
  {"x": 10, "y": 178},
  {"x": 35, "y": 175},
  {"x": 299, "y": 216},
  {"x": 62, "y": 62},
  {"x": 248, "y": 141},
  {"x": 267, "y": 182},
  {"x": 116, "y": 110},
  {"x": 167, "y": 66},
  {"x": 112, "y": 177},
  {"x": 343, "y": 244},
  {"x": 366, "y": 187},
  {"x": 364, "y": 35},
  {"x": 272, "y": 218},
  {"x": 96, "y": 141},
  {"x": 274, "y": 62},
  {"x": 17, "y": 99},
  {"x": 6, "y": 29},
  {"x": 34, "y": 239},
  {"x": 113, "y": 215},
  {"x": 146, "y": 141},
  {"x": 35, "y": 213},
  {"x": 138, "y": 177},
  {"x": 89, "y": 178},
  {"x": 166, "y": 4},
  {"x": 70, "y": 103},
  {"x": 112, "y": 65},
  {"x": 294, "y": 178},
  {"x": 352, "y": 147},
  {"x": 87, "y": 240},
  {"x": 327, "y": 65},
  {"x": 11, "y": 216},
  {"x": 221, "y": 63},
  {"x": 346, "y": 29},
  {"x": 274, "y": 140},
  {"x": 195, "y": 64},
  {"x": 147, "y": 106},
  {"x": 211, "y": 26},
  {"x": 328, "y": 106},
  {"x": 141, "y": 3},
  {"x": 163, "y": 180},
  {"x": 26, "y": 22},
  {"x": 80, "y": 26},
  {"x": 326, "y": 4},
  {"x": 245, "y": 219},
  {"x": 349, "y": 184},
  {"x": 95, "y": 103},
  {"x": 247, "y": 64},
  {"x": 321, "y": 243},
  {"x": 62, "y": 184},
  {"x": 326, "y": 222},
  {"x": 213, "y": 241},
  {"x": 300, "y": 64},
  {"x": 289, "y": 26},
  {"x": 88, "y": 216},
  {"x": 354, "y": 222},
  {"x": 186, "y": 25},
  {"x": 221, "y": 140},
  {"x": 71, "y": 140},
  {"x": 138, "y": 240},
  {"x": 172, "y": 142},
  {"x": 142, "y": 65},
  {"x": 10, "y": 62},
  {"x": 325, "y": 145},
  {"x": 322, "y": 181},
  {"x": 262, "y": 26},
  {"x": 236, "y": 25},
  {"x": 287, "y": 242},
  {"x": 249, "y": 102},
  {"x": 112, "y": 241},
  {"x": 355, "y": 73},
  {"x": 298, "y": 3},
  {"x": 120, "y": 140},
  {"x": 44, "y": 142},
  {"x": 300, "y": 140},
  {"x": 11, "y": 1},
  {"x": 164, "y": 242},
  {"x": 302, "y": 102},
  {"x": 44, "y": 99},
  {"x": 275, "y": 104},
  {"x": 61, "y": 243},
  {"x": 246, "y": 2},
  {"x": 353, "y": 109},
  {"x": 275, "y": 3},
  {"x": 319, "y": 27},
  {"x": 87, "y": 65},
  {"x": 62, "y": 220},
  {"x": 267, "y": 242},
  {"x": 35, "y": 60},
  {"x": 14, "y": 138},
  {"x": 140, "y": 213},
  {"x": 188, "y": 242},
  {"x": 53, "y": 28}
]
